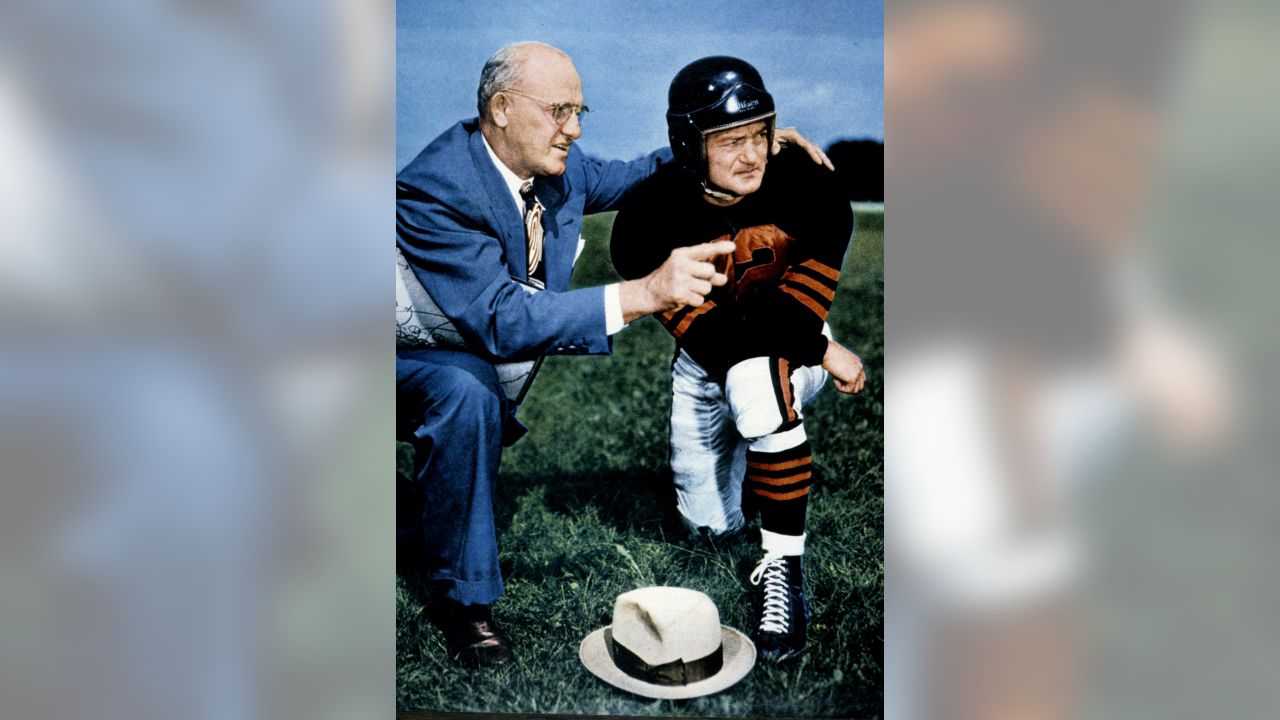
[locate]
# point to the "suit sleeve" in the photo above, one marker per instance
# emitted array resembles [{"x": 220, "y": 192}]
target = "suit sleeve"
[
  {"x": 460, "y": 261},
  {"x": 608, "y": 182}
]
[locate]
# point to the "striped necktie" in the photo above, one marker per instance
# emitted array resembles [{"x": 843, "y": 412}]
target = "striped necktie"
[{"x": 533, "y": 232}]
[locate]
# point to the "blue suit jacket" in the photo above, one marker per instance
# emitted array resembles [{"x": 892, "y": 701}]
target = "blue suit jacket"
[{"x": 462, "y": 234}]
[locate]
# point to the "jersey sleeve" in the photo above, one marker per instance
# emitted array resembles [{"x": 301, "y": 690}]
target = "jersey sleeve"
[
  {"x": 638, "y": 244},
  {"x": 786, "y": 319},
  {"x": 710, "y": 333}
]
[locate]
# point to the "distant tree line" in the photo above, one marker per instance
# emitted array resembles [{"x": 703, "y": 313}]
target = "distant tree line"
[{"x": 860, "y": 168}]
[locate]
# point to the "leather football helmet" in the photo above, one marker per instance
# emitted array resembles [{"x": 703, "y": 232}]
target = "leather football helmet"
[{"x": 709, "y": 95}]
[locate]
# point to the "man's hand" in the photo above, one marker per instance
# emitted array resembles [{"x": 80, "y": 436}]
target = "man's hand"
[
  {"x": 686, "y": 278},
  {"x": 785, "y": 136},
  {"x": 845, "y": 368}
]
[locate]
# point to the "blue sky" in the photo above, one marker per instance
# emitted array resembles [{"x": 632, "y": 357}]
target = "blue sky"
[{"x": 822, "y": 61}]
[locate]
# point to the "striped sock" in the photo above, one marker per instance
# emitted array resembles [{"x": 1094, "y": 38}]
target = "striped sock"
[{"x": 780, "y": 483}]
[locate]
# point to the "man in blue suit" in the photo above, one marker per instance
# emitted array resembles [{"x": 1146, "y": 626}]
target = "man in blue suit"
[{"x": 492, "y": 201}]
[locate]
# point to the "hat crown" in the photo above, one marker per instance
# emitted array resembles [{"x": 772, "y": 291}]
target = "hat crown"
[{"x": 665, "y": 624}]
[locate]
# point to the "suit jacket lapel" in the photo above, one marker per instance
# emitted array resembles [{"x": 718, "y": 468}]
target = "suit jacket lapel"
[{"x": 506, "y": 217}]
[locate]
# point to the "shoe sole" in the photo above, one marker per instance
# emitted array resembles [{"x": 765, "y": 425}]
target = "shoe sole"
[{"x": 779, "y": 656}]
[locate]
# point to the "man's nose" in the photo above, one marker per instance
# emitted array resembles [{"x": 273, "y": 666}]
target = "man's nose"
[
  {"x": 751, "y": 154},
  {"x": 572, "y": 127}
]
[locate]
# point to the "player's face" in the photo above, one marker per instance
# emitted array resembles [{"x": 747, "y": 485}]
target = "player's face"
[
  {"x": 541, "y": 143},
  {"x": 736, "y": 157}
]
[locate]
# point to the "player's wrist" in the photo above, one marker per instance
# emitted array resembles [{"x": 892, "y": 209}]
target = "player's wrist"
[{"x": 834, "y": 355}]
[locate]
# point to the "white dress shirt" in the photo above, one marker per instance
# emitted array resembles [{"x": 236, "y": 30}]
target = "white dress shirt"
[{"x": 612, "y": 297}]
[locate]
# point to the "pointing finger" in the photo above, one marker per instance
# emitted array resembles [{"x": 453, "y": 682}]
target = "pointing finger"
[{"x": 707, "y": 251}]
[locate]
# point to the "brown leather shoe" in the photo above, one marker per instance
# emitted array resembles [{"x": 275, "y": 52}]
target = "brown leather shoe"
[{"x": 474, "y": 639}]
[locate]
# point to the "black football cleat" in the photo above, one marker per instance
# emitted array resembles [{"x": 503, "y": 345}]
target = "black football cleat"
[{"x": 782, "y": 613}]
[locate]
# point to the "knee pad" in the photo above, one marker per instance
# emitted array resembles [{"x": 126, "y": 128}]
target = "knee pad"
[{"x": 760, "y": 395}]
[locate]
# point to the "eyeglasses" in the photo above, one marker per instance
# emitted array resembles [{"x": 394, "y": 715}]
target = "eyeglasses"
[{"x": 559, "y": 112}]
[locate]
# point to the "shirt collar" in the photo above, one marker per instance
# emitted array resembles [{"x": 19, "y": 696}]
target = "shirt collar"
[{"x": 508, "y": 177}]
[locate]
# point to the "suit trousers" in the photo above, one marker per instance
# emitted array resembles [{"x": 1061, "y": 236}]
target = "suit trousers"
[{"x": 450, "y": 406}]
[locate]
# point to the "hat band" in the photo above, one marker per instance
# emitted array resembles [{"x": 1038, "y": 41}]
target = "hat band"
[{"x": 676, "y": 672}]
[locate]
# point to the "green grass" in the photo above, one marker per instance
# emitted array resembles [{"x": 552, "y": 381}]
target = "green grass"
[{"x": 584, "y": 514}]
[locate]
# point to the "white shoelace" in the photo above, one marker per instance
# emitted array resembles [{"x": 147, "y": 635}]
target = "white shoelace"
[{"x": 775, "y": 618}]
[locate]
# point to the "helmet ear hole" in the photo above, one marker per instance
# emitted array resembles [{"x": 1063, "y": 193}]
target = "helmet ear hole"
[{"x": 704, "y": 169}]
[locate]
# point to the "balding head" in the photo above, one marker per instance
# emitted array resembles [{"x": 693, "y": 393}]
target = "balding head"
[
  {"x": 505, "y": 68},
  {"x": 529, "y": 99}
]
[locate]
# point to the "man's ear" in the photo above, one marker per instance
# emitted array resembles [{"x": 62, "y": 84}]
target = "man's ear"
[{"x": 498, "y": 107}]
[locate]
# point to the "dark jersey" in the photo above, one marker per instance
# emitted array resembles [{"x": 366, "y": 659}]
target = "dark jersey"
[{"x": 791, "y": 236}]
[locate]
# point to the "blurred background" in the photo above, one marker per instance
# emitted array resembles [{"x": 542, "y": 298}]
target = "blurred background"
[
  {"x": 195, "y": 396},
  {"x": 1078, "y": 407},
  {"x": 195, "y": 373}
]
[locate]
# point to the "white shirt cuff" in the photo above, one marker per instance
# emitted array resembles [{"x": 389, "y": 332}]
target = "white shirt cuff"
[{"x": 613, "y": 310}]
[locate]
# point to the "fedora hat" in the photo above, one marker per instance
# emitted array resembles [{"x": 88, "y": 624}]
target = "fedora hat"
[{"x": 667, "y": 643}]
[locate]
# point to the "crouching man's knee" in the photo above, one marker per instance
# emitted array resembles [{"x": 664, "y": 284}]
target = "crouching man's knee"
[{"x": 760, "y": 395}]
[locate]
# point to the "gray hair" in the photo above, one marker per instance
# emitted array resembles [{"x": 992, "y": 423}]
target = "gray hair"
[{"x": 503, "y": 70}]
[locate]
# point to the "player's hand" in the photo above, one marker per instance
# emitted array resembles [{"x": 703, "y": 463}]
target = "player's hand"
[
  {"x": 845, "y": 368},
  {"x": 686, "y": 278},
  {"x": 785, "y": 136}
]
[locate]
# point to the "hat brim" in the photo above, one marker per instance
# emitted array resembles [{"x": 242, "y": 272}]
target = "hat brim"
[{"x": 739, "y": 658}]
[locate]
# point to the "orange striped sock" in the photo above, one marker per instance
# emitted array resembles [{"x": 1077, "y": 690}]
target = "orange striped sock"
[{"x": 780, "y": 482}]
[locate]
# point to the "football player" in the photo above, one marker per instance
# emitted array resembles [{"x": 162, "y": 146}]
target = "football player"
[{"x": 758, "y": 349}]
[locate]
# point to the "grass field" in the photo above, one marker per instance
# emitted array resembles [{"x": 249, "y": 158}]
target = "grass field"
[{"x": 584, "y": 515}]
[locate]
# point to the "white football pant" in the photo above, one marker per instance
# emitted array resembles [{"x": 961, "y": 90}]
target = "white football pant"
[{"x": 712, "y": 425}]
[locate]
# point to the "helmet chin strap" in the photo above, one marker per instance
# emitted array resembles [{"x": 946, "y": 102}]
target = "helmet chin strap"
[{"x": 719, "y": 193}]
